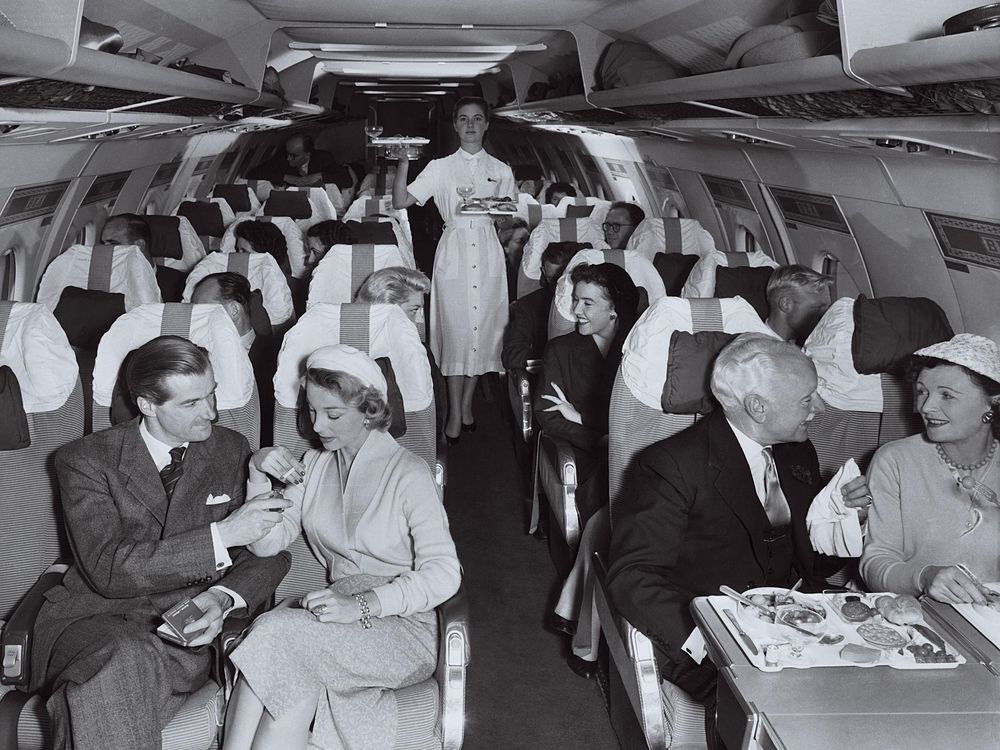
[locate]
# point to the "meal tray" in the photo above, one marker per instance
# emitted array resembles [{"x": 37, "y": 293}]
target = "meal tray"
[
  {"x": 490, "y": 206},
  {"x": 813, "y": 653}
]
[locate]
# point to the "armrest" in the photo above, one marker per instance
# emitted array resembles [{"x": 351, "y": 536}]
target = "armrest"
[
  {"x": 441, "y": 463},
  {"x": 17, "y": 632},
  {"x": 561, "y": 501},
  {"x": 520, "y": 383},
  {"x": 633, "y": 657},
  {"x": 453, "y": 659}
]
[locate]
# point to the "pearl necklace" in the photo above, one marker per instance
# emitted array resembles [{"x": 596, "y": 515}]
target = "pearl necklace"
[
  {"x": 979, "y": 492},
  {"x": 988, "y": 458}
]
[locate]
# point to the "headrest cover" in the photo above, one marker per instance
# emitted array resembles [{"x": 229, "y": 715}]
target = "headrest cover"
[
  {"x": 976, "y": 353},
  {"x": 237, "y": 196},
  {"x": 344, "y": 358},
  {"x": 689, "y": 371},
  {"x": 205, "y": 217},
  {"x": 291, "y": 203},
  {"x": 35, "y": 347},
  {"x": 829, "y": 346},
  {"x": 888, "y": 330}
]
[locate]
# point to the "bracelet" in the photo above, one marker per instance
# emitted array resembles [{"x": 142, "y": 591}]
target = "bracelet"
[{"x": 366, "y": 614}]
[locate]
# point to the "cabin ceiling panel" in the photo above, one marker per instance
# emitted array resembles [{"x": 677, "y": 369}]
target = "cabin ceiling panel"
[
  {"x": 499, "y": 12},
  {"x": 411, "y": 37}
]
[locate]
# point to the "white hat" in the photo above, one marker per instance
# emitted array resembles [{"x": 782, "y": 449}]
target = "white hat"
[
  {"x": 344, "y": 358},
  {"x": 975, "y": 353}
]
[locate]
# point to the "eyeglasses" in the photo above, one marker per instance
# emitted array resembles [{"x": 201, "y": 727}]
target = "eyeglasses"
[{"x": 609, "y": 227}]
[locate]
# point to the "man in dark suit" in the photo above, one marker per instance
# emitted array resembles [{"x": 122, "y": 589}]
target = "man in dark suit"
[
  {"x": 155, "y": 512},
  {"x": 723, "y": 502}
]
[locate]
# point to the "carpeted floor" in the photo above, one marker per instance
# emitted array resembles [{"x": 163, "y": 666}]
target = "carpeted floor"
[{"x": 521, "y": 694}]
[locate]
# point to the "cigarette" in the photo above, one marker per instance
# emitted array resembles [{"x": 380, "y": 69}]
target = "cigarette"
[{"x": 286, "y": 476}]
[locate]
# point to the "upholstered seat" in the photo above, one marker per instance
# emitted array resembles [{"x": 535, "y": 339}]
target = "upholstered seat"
[
  {"x": 703, "y": 279},
  {"x": 209, "y": 218},
  {"x": 580, "y": 206},
  {"x": 344, "y": 269},
  {"x": 554, "y": 230},
  {"x": 666, "y": 235},
  {"x": 294, "y": 245},
  {"x": 379, "y": 209},
  {"x": 209, "y": 326},
  {"x": 241, "y": 199},
  {"x": 263, "y": 273}
]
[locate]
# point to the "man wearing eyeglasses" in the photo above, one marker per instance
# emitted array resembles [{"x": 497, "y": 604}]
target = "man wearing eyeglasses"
[{"x": 620, "y": 222}]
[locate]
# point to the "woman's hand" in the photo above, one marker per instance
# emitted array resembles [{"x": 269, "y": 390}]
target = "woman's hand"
[
  {"x": 857, "y": 494},
  {"x": 279, "y": 463},
  {"x": 329, "y": 606},
  {"x": 562, "y": 405},
  {"x": 950, "y": 584}
]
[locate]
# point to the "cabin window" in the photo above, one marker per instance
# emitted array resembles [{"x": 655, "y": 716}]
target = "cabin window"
[
  {"x": 670, "y": 209},
  {"x": 745, "y": 240},
  {"x": 8, "y": 274},
  {"x": 86, "y": 235}
]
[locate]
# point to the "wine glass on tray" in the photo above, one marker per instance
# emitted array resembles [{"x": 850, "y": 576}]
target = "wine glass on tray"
[{"x": 465, "y": 192}]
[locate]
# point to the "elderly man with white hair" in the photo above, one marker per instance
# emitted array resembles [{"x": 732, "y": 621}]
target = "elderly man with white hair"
[{"x": 722, "y": 503}]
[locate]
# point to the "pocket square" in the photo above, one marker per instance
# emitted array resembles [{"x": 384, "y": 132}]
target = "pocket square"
[{"x": 217, "y": 499}]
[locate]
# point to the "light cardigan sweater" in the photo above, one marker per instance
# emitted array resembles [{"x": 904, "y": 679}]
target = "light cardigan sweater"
[
  {"x": 918, "y": 516},
  {"x": 386, "y": 521}
]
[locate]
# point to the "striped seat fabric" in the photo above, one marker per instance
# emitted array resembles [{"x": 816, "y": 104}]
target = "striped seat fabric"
[
  {"x": 344, "y": 269},
  {"x": 294, "y": 243},
  {"x": 209, "y": 326},
  {"x": 263, "y": 273},
  {"x": 121, "y": 269},
  {"x": 862, "y": 412},
  {"x": 35, "y": 348},
  {"x": 379, "y": 331},
  {"x": 554, "y": 230},
  {"x": 640, "y": 269},
  {"x": 379, "y": 209},
  {"x": 664, "y": 235}
]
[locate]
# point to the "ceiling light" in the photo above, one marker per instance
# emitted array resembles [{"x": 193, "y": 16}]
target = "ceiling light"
[
  {"x": 407, "y": 92},
  {"x": 437, "y": 49}
]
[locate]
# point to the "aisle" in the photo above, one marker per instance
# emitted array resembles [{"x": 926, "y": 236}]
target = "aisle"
[{"x": 520, "y": 694}]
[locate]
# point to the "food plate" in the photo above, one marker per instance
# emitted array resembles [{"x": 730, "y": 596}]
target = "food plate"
[{"x": 872, "y": 642}]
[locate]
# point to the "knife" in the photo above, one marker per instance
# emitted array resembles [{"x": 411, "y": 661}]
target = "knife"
[
  {"x": 742, "y": 633},
  {"x": 930, "y": 635}
]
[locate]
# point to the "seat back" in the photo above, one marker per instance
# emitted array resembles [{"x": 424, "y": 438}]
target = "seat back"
[
  {"x": 377, "y": 330},
  {"x": 702, "y": 281},
  {"x": 174, "y": 243},
  {"x": 263, "y": 273},
  {"x": 87, "y": 288},
  {"x": 260, "y": 188},
  {"x": 241, "y": 199},
  {"x": 209, "y": 218},
  {"x": 581, "y": 206},
  {"x": 859, "y": 348},
  {"x": 344, "y": 269},
  {"x": 554, "y": 230},
  {"x": 640, "y": 269},
  {"x": 49, "y": 394},
  {"x": 529, "y": 209},
  {"x": 636, "y": 417},
  {"x": 294, "y": 244},
  {"x": 206, "y": 325}
]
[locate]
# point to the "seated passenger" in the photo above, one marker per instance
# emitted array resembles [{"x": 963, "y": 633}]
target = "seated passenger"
[
  {"x": 144, "y": 540},
  {"x": 578, "y": 371},
  {"x": 797, "y": 297},
  {"x": 722, "y": 503},
  {"x": 232, "y": 291},
  {"x": 620, "y": 223},
  {"x": 406, "y": 288},
  {"x": 370, "y": 511},
  {"x": 322, "y": 236},
  {"x": 936, "y": 494},
  {"x": 528, "y": 329},
  {"x": 263, "y": 237},
  {"x": 557, "y": 191},
  {"x": 513, "y": 235},
  {"x": 127, "y": 229}
]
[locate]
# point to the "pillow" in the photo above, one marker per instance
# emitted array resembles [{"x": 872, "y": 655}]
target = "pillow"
[
  {"x": 397, "y": 427},
  {"x": 574, "y": 211},
  {"x": 205, "y": 217},
  {"x": 889, "y": 329},
  {"x": 13, "y": 421},
  {"x": 291, "y": 203},
  {"x": 165, "y": 237},
  {"x": 171, "y": 283},
  {"x": 748, "y": 283},
  {"x": 689, "y": 371},
  {"x": 674, "y": 269},
  {"x": 87, "y": 314},
  {"x": 372, "y": 233},
  {"x": 235, "y": 195}
]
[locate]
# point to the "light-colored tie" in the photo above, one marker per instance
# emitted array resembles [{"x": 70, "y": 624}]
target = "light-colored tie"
[{"x": 775, "y": 503}]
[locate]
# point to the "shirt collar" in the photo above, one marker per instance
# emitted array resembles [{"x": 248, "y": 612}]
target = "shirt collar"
[
  {"x": 749, "y": 446},
  {"x": 247, "y": 339},
  {"x": 158, "y": 450},
  {"x": 472, "y": 157}
]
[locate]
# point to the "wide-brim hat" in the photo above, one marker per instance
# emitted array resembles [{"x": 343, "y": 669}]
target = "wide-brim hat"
[{"x": 976, "y": 353}]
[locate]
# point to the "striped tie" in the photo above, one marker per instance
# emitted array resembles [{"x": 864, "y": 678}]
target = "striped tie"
[
  {"x": 775, "y": 503},
  {"x": 171, "y": 473}
]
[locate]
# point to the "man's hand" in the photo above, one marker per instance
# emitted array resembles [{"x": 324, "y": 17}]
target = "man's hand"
[
  {"x": 857, "y": 495},
  {"x": 213, "y": 603},
  {"x": 252, "y": 520}
]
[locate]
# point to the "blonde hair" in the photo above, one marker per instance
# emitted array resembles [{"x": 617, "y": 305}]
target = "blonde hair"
[{"x": 392, "y": 286}]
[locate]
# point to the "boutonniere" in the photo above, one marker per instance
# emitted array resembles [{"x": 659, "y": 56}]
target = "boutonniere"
[{"x": 802, "y": 474}]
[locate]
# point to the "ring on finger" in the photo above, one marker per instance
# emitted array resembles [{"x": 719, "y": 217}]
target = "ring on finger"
[
  {"x": 319, "y": 609},
  {"x": 870, "y": 500}
]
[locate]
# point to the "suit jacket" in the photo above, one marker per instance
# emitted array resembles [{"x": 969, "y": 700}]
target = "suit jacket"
[
  {"x": 528, "y": 329},
  {"x": 691, "y": 522},
  {"x": 135, "y": 554}
]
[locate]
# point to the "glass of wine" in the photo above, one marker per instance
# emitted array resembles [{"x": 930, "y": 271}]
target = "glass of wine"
[
  {"x": 465, "y": 191},
  {"x": 373, "y": 131}
]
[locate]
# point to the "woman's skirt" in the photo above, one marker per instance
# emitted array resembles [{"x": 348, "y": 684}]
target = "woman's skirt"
[{"x": 349, "y": 671}]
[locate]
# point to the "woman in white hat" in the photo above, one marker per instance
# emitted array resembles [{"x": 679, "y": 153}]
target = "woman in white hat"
[
  {"x": 936, "y": 508},
  {"x": 369, "y": 510}
]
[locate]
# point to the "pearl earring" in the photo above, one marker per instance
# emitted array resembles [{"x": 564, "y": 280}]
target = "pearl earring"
[{"x": 988, "y": 417}]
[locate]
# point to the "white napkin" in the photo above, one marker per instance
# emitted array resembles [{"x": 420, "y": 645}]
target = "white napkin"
[{"x": 834, "y": 529}]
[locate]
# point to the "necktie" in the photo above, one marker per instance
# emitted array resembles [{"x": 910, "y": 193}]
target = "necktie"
[
  {"x": 775, "y": 504},
  {"x": 171, "y": 473}
]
